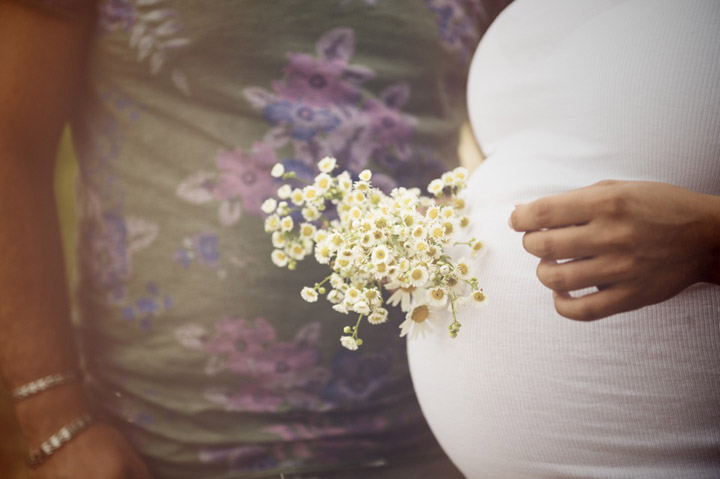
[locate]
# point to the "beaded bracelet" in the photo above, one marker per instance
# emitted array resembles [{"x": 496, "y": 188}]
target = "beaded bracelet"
[
  {"x": 43, "y": 384},
  {"x": 59, "y": 439}
]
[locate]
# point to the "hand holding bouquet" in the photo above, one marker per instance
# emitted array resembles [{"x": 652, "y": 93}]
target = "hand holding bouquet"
[{"x": 372, "y": 241}]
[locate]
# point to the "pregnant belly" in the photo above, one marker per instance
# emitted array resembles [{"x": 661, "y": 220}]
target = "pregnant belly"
[{"x": 523, "y": 392}]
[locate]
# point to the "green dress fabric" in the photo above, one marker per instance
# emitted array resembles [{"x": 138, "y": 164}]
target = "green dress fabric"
[{"x": 198, "y": 348}]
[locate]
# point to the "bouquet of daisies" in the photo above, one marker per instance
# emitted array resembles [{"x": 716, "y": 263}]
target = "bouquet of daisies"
[{"x": 380, "y": 249}]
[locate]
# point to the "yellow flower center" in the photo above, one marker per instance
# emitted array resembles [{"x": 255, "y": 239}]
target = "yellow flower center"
[
  {"x": 420, "y": 314},
  {"x": 438, "y": 294},
  {"x": 463, "y": 268},
  {"x": 417, "y": 274}
]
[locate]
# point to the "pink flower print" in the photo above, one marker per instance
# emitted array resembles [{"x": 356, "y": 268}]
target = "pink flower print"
[
  {"x": 246, "y": 176},
  {"x": 250, "y": 398},
  {"x": 240, "y": 340},
  {"x": 316, "y": 81},
  {"x": 389, "y": 127}
]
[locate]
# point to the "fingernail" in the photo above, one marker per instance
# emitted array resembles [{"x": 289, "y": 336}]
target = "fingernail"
[{"x": 510, "y": 223}]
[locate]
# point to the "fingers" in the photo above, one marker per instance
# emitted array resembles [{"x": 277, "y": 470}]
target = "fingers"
[
  {"x": 566, "y": 209},
  {"x": 564, "y": 243},
  {"x": 594, "y": 306},
  {"x": 579, "y": 274}
]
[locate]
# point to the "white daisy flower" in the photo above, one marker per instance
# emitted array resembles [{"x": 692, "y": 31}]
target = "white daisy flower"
[
  {"x": 323, "y": 182},
  {"x": 462, "y": 268},
  {"x": 437, "y": 297},
  {"x": 349, "y": 343},
  {"x": 284, "y": 192},
  {"x": 310, "y": 193},
  {"x": 340, "y": 308},
  {"x": 309, "y": 294},
  {"x": 436, "y": 186},
  {"x": 278, "y": 239},
  {"x": 278, "y": 170},
  {"x": 372, "y": 296},
  {"x": 344, "y": 181},
  {"x": 335, "y": 296},
  {"x": 477, "y": 249},
  {"x": 418, "y": 276},
  {"x": 323, "y": 252},
  {"x": 365, "y": 175},
  {"x": 380, "y": 254},
  {"x": 402, "y": 296},
  {"x": 327, "y": 164},
  {"x": 378, "y": 316},
  {"x": 296, "y": 251},
  {"x": 286, "y": 224},
  {"x": 361, "y": 307},
  {"x": 297, "y": 196},
  {"x": 437, "y": 232},
  {"x": 336, "y": 281},
  {"x": 268, "y": 206},
  {"x": 460, "y": 174},
  {"x": 320, "y": 235},
  {"x": 310, "y": 213},
  {"x": 416, "y": 322},
  {"x": 380, "y": 271},
  {"x": 478, "y": 297},
  {"x": 352, "y": 295},
  {"x": 307, "y": 230},
  {"x": 279, "y": 258},
  {"x": 272, "y": 223}
]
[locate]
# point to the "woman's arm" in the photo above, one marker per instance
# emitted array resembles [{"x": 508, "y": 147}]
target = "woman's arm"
[
  {"x": 639, "y": 243},
  {"x": 41, "y": 60}
]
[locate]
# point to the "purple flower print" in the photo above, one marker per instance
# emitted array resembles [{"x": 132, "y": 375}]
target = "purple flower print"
[
  {"x": 457, "y": 25},
  {"x": 302, "y": 119},
  {"x": 389, "y": 126},
  {"x": 117, "y": 15},
  {"x": 356, "y": 377},
  {"x": 246, "y": 175},
  {"x": 108, "y": 258},
  {"x": 201, "y": 247},
  {"x": 316, "y": 81}
]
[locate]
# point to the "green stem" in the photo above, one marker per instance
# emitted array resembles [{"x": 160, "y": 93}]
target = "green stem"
[{"x": 357, "y": 325}]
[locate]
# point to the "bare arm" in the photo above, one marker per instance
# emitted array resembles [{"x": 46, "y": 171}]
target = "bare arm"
[{"x": 41, "y": 62}]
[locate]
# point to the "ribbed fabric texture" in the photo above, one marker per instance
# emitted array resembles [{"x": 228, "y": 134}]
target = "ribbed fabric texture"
[{"x": 562, "y": 95}]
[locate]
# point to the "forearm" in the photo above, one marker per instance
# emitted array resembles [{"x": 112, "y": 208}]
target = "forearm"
[
  {"x": 41, "y": 64},
  {"x": 34, "y": 315}
]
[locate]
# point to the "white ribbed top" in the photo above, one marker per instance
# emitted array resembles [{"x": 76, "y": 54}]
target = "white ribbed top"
[{"x": 563, "y": 94}]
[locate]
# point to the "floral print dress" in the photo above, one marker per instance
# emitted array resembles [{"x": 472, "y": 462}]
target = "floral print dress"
[{"x": 199, "y": 348}]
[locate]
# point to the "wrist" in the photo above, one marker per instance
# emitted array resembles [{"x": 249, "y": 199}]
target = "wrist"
[
  {"x": 712, "y": 270},
  {"x": 44, "y": 414}
]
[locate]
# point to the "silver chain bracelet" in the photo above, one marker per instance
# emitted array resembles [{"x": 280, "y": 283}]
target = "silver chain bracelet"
[
  {"x": 59, "y": 439},
  {"x": 43, "y": 384}
]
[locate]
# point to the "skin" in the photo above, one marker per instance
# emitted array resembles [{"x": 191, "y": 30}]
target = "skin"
[
  {"x": 639, "y": 243},
  {"x": 41, "y": 60}
]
